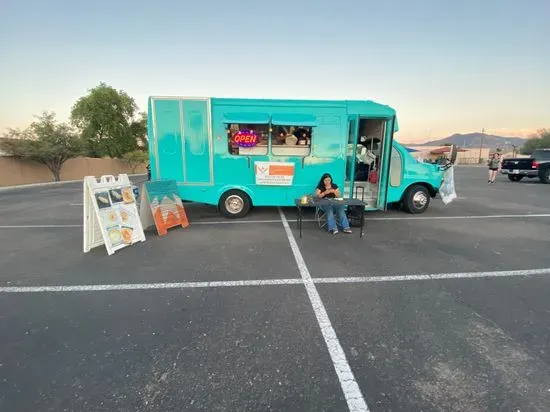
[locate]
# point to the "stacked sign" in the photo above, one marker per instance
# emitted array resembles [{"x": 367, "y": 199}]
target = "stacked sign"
[
  {"x": 110, "y": 214},
  {"x": 161, "y": 204}
]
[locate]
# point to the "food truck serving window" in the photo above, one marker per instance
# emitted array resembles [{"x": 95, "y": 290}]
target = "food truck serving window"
[
  {"x": 247, "y": 133},
  {"x": 246, "y": 139},
  {"x": 291, "y": 134}
]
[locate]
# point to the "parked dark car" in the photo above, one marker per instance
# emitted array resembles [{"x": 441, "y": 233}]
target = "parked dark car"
[{"x": 538, "y": 165}]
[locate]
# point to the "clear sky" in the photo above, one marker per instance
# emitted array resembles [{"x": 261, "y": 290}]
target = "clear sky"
[{"x": 446, "y": 66}]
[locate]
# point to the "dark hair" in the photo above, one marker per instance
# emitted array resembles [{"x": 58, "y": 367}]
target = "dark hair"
[{"x": 321, "y": 184}]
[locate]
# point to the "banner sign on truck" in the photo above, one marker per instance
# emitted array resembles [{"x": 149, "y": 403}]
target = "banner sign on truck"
[{"x": 274, "y": 173}]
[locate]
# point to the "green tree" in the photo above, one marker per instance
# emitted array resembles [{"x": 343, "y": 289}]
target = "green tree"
[
  {"x": 107, "y": 120},
  {"x": 45, "y": 141},
  {"x": 139, "y": 130},
  {"x": 540, "y": 141},
  {"x": 135, "y": 159}
]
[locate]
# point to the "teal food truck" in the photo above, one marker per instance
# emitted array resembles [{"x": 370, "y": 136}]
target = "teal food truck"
[{"x": 240, "y": 153}]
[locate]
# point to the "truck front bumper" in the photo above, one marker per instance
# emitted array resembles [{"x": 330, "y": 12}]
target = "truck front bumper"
[{"x": 520, "y": 172}]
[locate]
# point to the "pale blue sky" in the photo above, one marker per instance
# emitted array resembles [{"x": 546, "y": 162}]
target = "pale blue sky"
[{"x": 445, "y": 66}]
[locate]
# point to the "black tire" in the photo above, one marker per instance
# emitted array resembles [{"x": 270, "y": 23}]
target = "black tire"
[
  {"x": 234, "y": 204},
  {"x": 416, "y": 199},
  {"x": 515, "y": 178},
  {"x": 544, "y": 175}
]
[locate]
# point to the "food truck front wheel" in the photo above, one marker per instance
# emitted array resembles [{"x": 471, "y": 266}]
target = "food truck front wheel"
[
  {"x": 234, "y": 204},
  {"x": 416, "y": 199}
]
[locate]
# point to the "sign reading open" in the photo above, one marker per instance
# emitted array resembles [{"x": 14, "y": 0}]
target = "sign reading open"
[{"x": 246, "y": 138}]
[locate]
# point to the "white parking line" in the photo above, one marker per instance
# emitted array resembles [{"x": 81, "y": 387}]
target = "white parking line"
[
  {"x": 148, "y": 286},
  {"x": 436, "y": 276},
  {"x": 272, "y": 282},
  {"x": 38, "y": 226},
  {"x": 355, "y": 400},
  {"x": 523, "y": 216},
  {"x": 229, "y": 221},
  {"x": 215, "y": 222}
]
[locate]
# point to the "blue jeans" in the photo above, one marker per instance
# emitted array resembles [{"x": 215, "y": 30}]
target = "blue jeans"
[{"x": 338, "y": 210}]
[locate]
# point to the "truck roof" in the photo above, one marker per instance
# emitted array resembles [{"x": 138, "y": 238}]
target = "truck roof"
[{"x": 234, "y": 101}]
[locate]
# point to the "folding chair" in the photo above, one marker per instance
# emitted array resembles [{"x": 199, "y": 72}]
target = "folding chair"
[{"x": 320, "y": 217}]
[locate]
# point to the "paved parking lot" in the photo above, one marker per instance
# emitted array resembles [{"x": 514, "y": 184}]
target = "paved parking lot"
[{"x": 444, "y": 311}]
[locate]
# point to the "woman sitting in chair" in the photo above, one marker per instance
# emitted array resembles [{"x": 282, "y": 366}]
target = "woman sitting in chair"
[{"x": 328, "y": 190}]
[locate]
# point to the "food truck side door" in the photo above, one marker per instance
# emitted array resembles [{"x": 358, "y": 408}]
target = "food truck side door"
[
  {"x": 351, "y": 147},
  {"x": 197, "y": 141},
  {"x": 384, "y": 162},
  {"x": 167, "y": 139},
  {"x": 182, "y": 140}
]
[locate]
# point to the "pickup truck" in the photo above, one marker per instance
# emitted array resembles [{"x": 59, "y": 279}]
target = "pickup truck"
[{"x": 538, "y": 165}]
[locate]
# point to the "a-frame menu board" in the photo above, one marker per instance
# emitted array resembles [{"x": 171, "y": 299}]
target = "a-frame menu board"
[{"x": 111, "y": 216}]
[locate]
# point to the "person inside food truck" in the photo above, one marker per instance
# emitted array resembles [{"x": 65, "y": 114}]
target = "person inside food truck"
[
  {"x": 326, "y": 189},
  {"x": 264, "y": 137},
  {"x": 280, "y": 136},
  {"x": 287, "y": 137},
  {"x": 302, "y": 135},
  {"x": 291, "y": 140}
]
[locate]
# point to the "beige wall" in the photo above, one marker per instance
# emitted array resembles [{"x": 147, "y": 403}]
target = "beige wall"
[
  {"x": 19, "y": 172},
  {"x": 469, "y": 156}
]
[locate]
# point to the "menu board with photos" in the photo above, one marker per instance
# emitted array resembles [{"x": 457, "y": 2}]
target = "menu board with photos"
[{"x": 110, "y": 214}]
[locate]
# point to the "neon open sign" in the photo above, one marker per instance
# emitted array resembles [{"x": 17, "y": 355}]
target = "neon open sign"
[{"x": 246, "y": 138}]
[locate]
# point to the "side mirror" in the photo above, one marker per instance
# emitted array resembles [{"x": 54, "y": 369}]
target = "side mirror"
[
  {"x": 447, "y": 163},
  {"x": 453, "y": 154}
]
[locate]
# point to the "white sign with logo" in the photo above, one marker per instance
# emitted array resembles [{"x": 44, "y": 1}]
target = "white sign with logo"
[{"x": 274, "y": 173}]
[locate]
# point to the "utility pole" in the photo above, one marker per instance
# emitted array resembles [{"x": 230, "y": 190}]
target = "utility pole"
[{"x": 481, "y": 144}]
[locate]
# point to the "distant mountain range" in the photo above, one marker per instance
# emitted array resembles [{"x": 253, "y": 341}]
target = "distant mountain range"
[{"x": 474, "y": 140}]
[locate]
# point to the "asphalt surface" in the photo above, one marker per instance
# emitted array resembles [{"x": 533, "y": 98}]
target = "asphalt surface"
[{"x": 412, "y": 343}]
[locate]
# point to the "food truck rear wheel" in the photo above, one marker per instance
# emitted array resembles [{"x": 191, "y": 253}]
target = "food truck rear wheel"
[
  {"x": 416, "y": 199},
  {"x": 234, "y": 204}
]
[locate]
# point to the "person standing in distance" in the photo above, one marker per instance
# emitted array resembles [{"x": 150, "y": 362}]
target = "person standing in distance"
[{"x": 494, "y": 167}]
